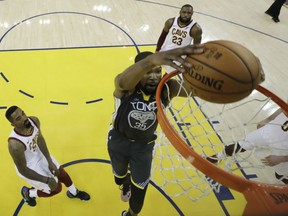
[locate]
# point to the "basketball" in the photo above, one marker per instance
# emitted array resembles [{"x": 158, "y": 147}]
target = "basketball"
[{"x": 225, "y": 72}]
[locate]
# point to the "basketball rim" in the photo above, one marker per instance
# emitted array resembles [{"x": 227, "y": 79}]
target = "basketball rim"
[{"x": 262, "y": 198}]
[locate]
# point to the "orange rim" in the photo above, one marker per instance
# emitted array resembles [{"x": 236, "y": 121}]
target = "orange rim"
[{"x": 250, "y": 189}]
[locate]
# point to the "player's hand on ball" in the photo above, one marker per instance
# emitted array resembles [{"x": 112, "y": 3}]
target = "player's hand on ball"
[
  {"x": 261, "y": 70},
  {"x": 52, "y": 184},
  {"x": 225, "y": 72},
  {"x": 168, "y": 57}
]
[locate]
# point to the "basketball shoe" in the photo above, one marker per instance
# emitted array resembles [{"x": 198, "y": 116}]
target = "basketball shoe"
[
  {"x": 82, "y": 195},
  {"x": 125, "y": 213},
  {"x": 27, "y": 199}
]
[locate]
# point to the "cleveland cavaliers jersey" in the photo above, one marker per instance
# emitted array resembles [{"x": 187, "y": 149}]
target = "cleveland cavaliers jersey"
[
  {"x": 272, "y": 136},
  {"x": 135, "y": 116},
  {"x": 276, "y": 133},
  {"x": 178, "y": 36},
  {"x": 271, "y": 139},
  {"x": 32, "y": 152}
]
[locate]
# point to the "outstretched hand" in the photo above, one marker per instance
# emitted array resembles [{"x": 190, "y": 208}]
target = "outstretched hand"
[
  {"x": 168, "y": 57},
  {"x": 273, "y": 160}
]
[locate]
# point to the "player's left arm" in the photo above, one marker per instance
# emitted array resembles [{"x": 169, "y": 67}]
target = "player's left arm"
[
  {"x": 270, "y": 118},
  {"x": 167, "y": 26},
  {"x": 273, "y": 160},
  {"x": 196, "y": 33},
  {"x": 43, "y": 148}
]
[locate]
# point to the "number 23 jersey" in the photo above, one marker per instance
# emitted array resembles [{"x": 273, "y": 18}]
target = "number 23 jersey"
[{"x": 178, "y": 36}]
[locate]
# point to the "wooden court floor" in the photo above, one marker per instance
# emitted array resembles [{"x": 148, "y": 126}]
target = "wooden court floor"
[{"x": 58, "y": 61}]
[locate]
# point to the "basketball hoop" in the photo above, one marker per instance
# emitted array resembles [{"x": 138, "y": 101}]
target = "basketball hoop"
[{"x": 186, "y": 132}]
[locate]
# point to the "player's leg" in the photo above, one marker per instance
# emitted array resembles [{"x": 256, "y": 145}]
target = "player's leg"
[
  {"x": 136, "y": 203},
  {"x": 228, "y": 151},
  {"x": 252, "y": 140},
  {"x": 120, "y": 164},
  {"x": 43, "y": 194},
  {"x": 64, "y": 178},
  {"x": 38, "y": 189},
  {"x": 140, "y": 166},
  {"x": 72, "y": 191},
  {"x": 119, "y": 151}
]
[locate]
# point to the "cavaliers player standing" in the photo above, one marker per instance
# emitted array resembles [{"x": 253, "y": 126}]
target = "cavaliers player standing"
[
  {"x": 179, "y": 32},
  {"x": 33, "y": 161}
]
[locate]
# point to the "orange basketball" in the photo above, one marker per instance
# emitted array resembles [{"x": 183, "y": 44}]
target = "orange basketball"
[{"x": 226, "y": 72}]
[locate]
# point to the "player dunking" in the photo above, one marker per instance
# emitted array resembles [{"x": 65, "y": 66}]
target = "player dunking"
[
  {"x": 179, "y": 32},
  {"x": 33, "y": 161},
  {"x": 132, "y": 135}
]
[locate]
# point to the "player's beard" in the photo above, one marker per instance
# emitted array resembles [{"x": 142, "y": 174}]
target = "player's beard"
[
  {"x": 27, "y": 124},
  {"x": 148, "y": 90},
  {"x": 185, "y": 21}
]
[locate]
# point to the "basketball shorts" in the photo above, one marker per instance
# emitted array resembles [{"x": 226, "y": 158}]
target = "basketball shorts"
[
  {"x": 42, "y": 168},
  {"x": 126, "y": 154}
]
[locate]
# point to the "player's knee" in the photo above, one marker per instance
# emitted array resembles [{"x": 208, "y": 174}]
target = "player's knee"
[
  {"x": 58, "y": 189},
  {"x": 62, "y": 173},
  {"x": 120, "y": 181}
]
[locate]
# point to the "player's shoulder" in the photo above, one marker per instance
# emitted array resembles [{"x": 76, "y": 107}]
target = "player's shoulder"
[
  {"x": 196, "y": 29},
  {"x": 170, "y": 21},
  {"x": 15, "y": 144}
]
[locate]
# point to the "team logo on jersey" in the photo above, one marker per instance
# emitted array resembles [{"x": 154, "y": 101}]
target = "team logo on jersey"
[{"x": 141, "y": 120}]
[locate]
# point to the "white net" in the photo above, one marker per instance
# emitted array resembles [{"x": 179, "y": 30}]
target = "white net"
[{"x": 208, "y": 128}]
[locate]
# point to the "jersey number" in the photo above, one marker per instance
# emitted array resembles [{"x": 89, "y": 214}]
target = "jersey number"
[
  {"x": 177, "y": 40},
  {"x": 33, "y": 144},
  {"x": 140, "y": 125}
]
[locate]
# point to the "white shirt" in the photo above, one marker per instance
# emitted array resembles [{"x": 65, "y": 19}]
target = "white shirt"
[
  {"x": 32, "y": 152},
  {"x": 178, "y": 36},
  {"x": 271, "y": 139}
]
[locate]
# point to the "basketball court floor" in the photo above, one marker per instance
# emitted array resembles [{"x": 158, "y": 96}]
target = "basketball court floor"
[{"x": 58, "y": 60}]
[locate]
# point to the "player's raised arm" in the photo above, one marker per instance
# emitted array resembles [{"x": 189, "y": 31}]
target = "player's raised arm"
[{"x": 129, "y": 78}]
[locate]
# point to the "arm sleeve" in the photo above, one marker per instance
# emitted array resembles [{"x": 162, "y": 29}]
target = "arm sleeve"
[{"x": 161, "y": 40}]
